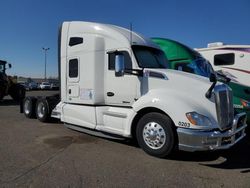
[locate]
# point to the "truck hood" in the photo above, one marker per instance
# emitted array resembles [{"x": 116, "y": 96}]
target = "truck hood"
[
  {"x": 174, "y": 79},
  {"x": 183, "y": 91}
]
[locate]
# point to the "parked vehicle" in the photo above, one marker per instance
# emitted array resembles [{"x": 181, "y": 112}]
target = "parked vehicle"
[
  {"x": 234, "y": 62},
  {"x": 54, "y": 86},
  {"x": 33, "y": 85},
  {"x": 8, "y": 85},
  {"x": 45, "y": 85},
  {"x": 114, "y": 83},
  {"x": 181, "y": 57},
  {"x": 25, "y": 85},
  {"x": 231, "y": 60}
]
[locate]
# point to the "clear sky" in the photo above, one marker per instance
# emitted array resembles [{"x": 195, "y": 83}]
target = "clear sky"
[{"x": 28, "y": 25}]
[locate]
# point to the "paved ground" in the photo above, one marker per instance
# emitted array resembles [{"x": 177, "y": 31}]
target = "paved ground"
[{"x": 34, "y": 154}]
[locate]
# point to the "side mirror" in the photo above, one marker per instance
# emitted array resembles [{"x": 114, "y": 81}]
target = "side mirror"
[
  {"x": 213, "y": 77},
  {"x": 9, "y": 66},
  {"x": 222, "y": 77},
  {"x": 214, "y": 80},
  {"x": 119, "y": 65}
]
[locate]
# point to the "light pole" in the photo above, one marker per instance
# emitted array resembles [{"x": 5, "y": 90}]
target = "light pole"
[{"x": 45, "y": 55}]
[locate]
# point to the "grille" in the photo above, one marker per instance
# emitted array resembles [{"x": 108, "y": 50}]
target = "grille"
[{"x": 224, "y": 106}]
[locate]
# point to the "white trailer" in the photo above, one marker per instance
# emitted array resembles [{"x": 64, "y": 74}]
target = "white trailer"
[
  {"x": 231, "y": 60},
  {"x": 114, "y": 83}
]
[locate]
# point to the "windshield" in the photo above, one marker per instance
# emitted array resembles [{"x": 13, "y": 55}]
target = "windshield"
[
  {"x": 201, "y": 67},
  {"x": 148, "y": 57}
]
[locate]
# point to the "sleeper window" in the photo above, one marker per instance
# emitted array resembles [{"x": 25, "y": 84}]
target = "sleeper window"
[
  {"x": 73, "y": 68},
  {"x": 75, "y": 41}
]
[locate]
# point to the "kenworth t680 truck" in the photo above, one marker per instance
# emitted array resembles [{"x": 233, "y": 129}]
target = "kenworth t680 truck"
[{"x": 115, "y": 82}]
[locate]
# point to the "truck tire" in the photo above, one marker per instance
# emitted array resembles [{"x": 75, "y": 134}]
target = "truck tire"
[
  {"x": 17, "y": 92},
  {"x": 1, "y": 95},
  {"x": 29, "y": 107},
  {"x": 156, "y": 135},
  {"x": 42, "y": 110}
]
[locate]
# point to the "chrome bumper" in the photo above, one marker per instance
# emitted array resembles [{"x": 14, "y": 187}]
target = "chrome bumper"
[{"x": 201, "y": 140}]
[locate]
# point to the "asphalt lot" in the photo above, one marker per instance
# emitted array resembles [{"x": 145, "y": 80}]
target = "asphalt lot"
[{"x": 34, "y": 154}]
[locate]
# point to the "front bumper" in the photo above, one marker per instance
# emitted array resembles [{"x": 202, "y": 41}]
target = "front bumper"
[
  {"x": 244, "y": 110},
  {"x": 202, "y": 140}
]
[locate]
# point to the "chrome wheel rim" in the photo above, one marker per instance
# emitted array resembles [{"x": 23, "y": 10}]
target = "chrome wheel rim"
[
  {"x": 154, "y": 135},
  {"x": 40, "y": 110},
  {"x": 26, "y": 106}
]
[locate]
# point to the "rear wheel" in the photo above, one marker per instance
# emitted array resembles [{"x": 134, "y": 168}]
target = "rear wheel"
[
  {"x": 42, "y": 110},
  {"x": 155, "y": 134},
  {"x": 1, "y": 95},
  {"x": 17, "y": 92},
  {"x": 29, "y": 107}
]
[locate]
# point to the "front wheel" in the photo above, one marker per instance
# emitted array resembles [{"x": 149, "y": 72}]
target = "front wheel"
[{"x": 155, "y": 134}]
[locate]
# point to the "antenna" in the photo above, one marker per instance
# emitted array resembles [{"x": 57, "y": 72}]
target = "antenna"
[{"x": 131, "y": 30}]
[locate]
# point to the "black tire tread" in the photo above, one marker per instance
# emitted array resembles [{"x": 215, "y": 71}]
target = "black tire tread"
[
  {"x": 17, "y": 92},
  {"x": 32, "y": 113},
  {"x": 167, "y": 125},
  {"x": 46, "y": 117}
]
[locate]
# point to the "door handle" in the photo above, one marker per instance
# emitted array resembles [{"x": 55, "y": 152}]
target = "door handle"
[{"x": 110, "y": 94}]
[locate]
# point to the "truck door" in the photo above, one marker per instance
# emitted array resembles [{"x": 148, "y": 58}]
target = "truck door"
[{"x": 121, "y": 91}]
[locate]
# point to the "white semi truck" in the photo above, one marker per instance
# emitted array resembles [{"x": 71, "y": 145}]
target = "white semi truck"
[{"x": 114, "y": 83}]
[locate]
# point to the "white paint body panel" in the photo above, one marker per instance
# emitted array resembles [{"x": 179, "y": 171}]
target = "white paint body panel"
[
  {"x": 79, "y": 115},
  {"x": 178, "y": 95}
]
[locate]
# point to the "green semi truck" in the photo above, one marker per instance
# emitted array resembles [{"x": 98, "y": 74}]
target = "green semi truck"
[{"x": 183, "y": 58}]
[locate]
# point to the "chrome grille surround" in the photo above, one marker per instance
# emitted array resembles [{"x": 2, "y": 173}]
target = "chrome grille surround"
[{"x": 224, "y": 106}]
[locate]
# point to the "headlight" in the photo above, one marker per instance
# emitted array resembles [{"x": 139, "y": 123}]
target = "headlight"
[{"x": 198, "y": 119}]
